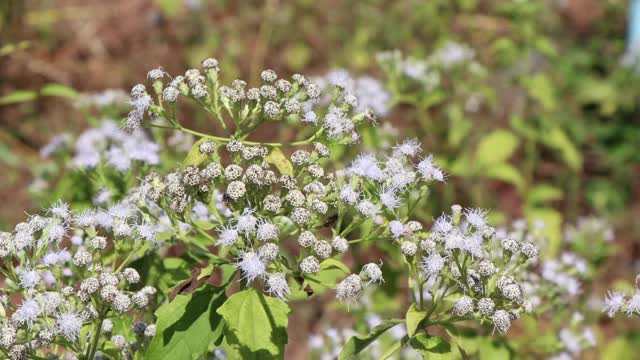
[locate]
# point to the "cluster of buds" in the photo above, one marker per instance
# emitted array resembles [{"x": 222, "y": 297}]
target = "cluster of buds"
[
  {"x": 461, "y": 258},
  {"x": 65, "y": 272},
  {"x": 276, "y": 99},
  {"x": 265, "y": 205}
]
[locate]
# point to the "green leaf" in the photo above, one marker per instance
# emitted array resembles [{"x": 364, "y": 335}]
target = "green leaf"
[
  {"x": 619, "y": 348},
  {"x": 459, "y": 126},
  {"x": 195, "y": 157},
  {"x": 490, "y": 349},
  {"x": 395, "y": 347},
  {"x": 186, "y": 326},
  {"x": 328, "y": 264},
  {"x": 558, "y": 139},
  {"x": 256, "y": 324},
  {"x": 18, "y": 96},
  {"x": 204, "y": 224},
  {"x": 430, "y": 344},
  {"x": 542, "y": 193},
  {"x": 358, "y": 343},
  {"x": 169, "y": 7},
  {"x": 541, "y": 89},
  {"x": 59, "y": 90},
  {"x": 331, "y": 270},
  {"x": 414, "y": 317},
  {"x": 507, "y": 173},
  {"x": 277, "y": 158},
  {"x": 496, "y": 147},
  {"x": 552, "y": 229}
]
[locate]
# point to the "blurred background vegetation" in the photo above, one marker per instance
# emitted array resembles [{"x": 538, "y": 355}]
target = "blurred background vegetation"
[{"x": 541, "y": 123}]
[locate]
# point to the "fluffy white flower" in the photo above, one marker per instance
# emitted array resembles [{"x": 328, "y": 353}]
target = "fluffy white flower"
[
  {"x": 613, "y": 302},
  {"x": 68, "y": 325},
  {"x": 251, "y": 266}
]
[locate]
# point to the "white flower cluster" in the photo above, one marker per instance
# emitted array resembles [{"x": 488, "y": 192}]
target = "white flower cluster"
[
  {"x": 276, "y": 99},
  {"x": 427, "y": 71},
  {"x": 102, "y": 99},
  {"x": 261, "y": 207},
  {"x": 65, "y": 273},
  {"x": 370, "y": 93},
  {"x": 589, "y": 228},
  {"x": 373, "y": 186},
  {"x": 575, "y": 338},
  {"x": 618, "y": 301},
  {"x": 467, "y": 261},
  {"x": 112, "y": 146}
]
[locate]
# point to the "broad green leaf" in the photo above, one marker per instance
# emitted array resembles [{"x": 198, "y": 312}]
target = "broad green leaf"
[
  {"x": 256, "y": 324},
  {"x": 186, "y": 326},
  {"x": 59, "y": 90},
  {"x": 459, "y": 167},
  {"x": 619, "y": 348},
  {"x": 430, "y": 344},
  {"x": 542, "y": 89},
  {"x": 18, "y": 96},
  {"x": 542, "y": 193},
  {"x": 395, "y": 347},
  {"x": 195, "y": 157},
  {"x": 490, "y": 349},
  {"x": 496, "y": 147},
  {"x": 414, "y": 317},
  {"x": 356, "y": 344},
  {"x": 277, "y": 158},
  {"x": 505, "y": 172},
  {"x": 558, "y": 139}
]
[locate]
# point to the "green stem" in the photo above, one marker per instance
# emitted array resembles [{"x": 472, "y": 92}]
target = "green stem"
[{"x": 91, "y": 350}]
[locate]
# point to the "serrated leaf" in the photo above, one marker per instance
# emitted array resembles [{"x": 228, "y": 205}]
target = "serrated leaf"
[
  {"x": 277, "y": 158},
  {"x": 18, "y": 96},
  {"x": 256, "y": 324},
  {"x": 430, "y": 344},
  {"x": 496, "y": 147},
  {"x": 186, "y": 326},
  {"x": 356, "y": 344},
  {"x": 195, "y": 157},
  {"x": 413, "y": 319},
  {"x": 59, "y": 90}
]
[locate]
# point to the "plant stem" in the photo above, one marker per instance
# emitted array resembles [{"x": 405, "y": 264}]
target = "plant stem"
[{"x": 91, "y": 350}]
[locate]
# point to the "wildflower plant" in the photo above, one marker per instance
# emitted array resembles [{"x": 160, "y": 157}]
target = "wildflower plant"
[
  {"x": 286, "y": 215},
  {"x": 68, "y": 284},
  {"x": 261, "y": 224},
  {"x": 277, "y": 217}
]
